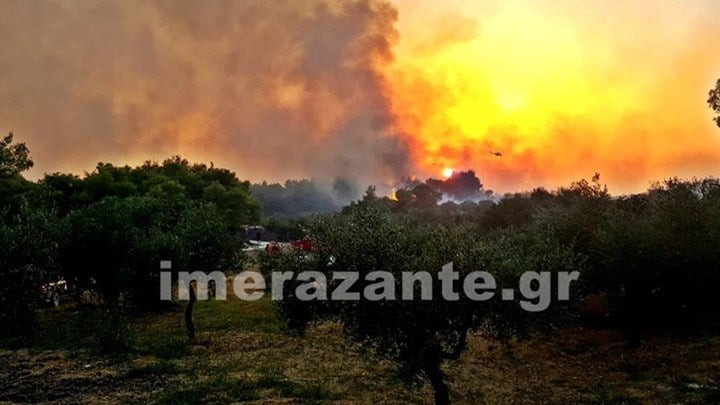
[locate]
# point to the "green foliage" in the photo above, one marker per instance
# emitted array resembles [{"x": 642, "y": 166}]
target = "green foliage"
[
  {"x": 233, "y": 315},
  {"x": 665, "y": 256},
  {"x": 14, "y": 158},
  {"x": 108, "y": 231},
  {"x": 28, "y": 258},
  {"x": 508, "y": 254},
  {"x": 173, "y": 180},
  {"x": 116, "y": 244},
  {"x": 287, "y": 228},
  {"x": 105, "y": 331},
  {"x": 15, "y": 191},
  {"x": 418, "y": 335},
  {"x": 207, "y": 390},
  {"x": 714, "y": 101},
  {"x": 169, "y": 347},
  {"x": 653, "y": 256},
  {"x": 114, "y": 226}
]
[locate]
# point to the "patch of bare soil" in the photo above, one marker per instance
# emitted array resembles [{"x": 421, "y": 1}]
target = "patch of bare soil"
[
  {"x": 51, "y": 376},
  {"x": 589, "y": 366}
]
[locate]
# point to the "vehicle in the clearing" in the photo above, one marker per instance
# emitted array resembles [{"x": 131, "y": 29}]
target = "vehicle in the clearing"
[
  {"x": 303, "y": 245},
  {"x": 55, "y": 292}
]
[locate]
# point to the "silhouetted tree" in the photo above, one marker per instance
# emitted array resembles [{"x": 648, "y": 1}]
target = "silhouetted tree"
[
  {"x": 14, "y": 158},
  {"x": 714, "y": 101},
  {"x": 460, "y": 185},
  {"x": 28, "y": 258}
]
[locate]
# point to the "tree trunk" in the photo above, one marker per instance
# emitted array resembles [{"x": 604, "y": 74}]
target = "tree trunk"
[
  {"x": 437, "y": 379},
  {"x": 632, "y": 303},
  {"x": 189, "y": 325}
]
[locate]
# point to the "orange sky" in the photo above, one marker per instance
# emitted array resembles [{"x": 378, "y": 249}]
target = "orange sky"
[
  {"x": 368, "y": 90},
  {"x": 561, "y": 88}
]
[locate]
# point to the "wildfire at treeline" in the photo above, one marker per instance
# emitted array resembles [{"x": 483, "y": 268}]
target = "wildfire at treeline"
[{"x": 372, "y": 92}]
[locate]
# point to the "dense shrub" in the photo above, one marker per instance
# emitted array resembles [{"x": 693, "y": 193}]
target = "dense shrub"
[
  {"x": 115, "y": 245},
  {"x": 28, "y": 258},
  {"x": 663, "y": 259}
]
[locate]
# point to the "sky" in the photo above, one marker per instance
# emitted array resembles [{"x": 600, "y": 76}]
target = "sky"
[{"x": 368, "y": 90}]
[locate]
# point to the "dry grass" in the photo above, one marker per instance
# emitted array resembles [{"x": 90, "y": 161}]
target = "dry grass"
[{"x": 248, "y": 357}]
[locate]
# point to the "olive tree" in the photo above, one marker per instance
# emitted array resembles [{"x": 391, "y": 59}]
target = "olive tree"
[{"x": 419, "y": 334}]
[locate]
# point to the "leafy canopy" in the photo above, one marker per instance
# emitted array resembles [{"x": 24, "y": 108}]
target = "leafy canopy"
[{"x": 14, "y": 158}]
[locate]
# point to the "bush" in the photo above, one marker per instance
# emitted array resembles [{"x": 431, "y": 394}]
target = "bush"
[
  {"x": 653, "y": 255},
  {"x": 116, "y": 245},
  {"x": 28, "y": 258}
]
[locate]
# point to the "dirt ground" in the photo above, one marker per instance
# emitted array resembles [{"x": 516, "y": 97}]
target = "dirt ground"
[{"x": 246, "y": 357}]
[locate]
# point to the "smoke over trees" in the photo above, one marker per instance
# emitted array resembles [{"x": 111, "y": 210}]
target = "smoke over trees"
[
  {"x": 273, "y": 90},
  {"x": 460, "y": 186},
  {"x": 300, "y": 197}
]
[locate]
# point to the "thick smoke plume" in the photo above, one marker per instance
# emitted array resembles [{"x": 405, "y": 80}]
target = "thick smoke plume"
[{"x": 271, "y": 89}]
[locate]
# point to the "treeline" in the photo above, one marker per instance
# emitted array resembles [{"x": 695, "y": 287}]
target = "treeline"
[
  {"x": 107, "y": 231},
  {"x": 647, "y": 262},
  {"x": 287, "y": 206},
  {"x": 654, "y": 251},
  {"x": 295, "y": 198}
]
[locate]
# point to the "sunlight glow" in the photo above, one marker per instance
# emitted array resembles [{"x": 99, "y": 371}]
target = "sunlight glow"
[{"x": 559, "y": 89}]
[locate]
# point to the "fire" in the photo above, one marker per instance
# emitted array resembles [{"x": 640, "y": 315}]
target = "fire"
[
  {"x": 462, "y": 99},
  {"x": 448, "y": 172},
  {"x": 560, "y": 94}
]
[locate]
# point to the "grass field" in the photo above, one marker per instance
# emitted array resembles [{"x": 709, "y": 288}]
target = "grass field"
[{"x": 244, "y": 355}]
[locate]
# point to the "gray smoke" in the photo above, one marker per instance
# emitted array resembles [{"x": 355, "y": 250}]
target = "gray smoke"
[{"x": 271, "y": 89}]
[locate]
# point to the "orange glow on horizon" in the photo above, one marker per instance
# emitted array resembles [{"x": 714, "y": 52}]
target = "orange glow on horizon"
[{"x": 561, "y": 90}]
